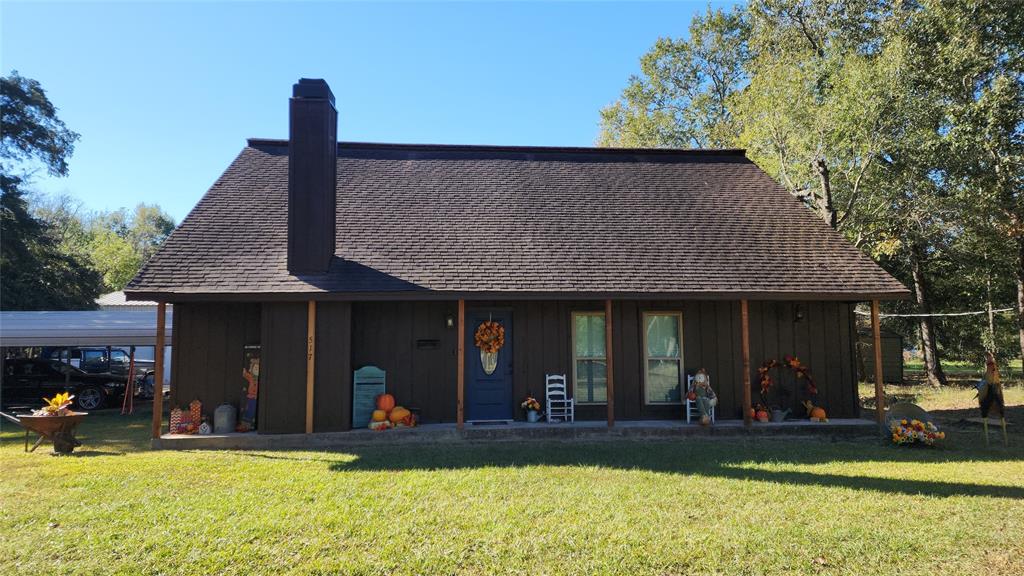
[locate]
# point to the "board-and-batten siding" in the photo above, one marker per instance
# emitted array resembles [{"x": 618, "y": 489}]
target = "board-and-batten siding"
[
  {"x": 390, "y": 335},
  {"x": 823, "y": 340},
  {"x": 412, "y": 342},
  {"x": 207, "y": 361},
  {"x": 892, "y": 357},
  {"x": 332, "y": 393},
  {"x": 282, "y": 401},
  {"x": 207, "y": 343}
]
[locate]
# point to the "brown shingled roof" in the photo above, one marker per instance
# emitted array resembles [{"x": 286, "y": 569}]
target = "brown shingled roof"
[{"x": 485, "y": 221}]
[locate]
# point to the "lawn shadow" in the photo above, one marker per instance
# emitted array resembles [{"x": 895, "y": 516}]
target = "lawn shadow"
[
  {"x": 734, "y": 462},
  {"x": 93, "y": 453},
  {"x": 874, "y": 483}
]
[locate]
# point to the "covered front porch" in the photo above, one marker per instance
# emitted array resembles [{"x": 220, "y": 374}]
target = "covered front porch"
[{"x": 311, "y": 349}]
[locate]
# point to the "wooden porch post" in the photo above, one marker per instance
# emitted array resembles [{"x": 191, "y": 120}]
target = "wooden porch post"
[
  {"x": 310, "y": 362},
  {"x": 610, "y": 366},
  {"x": 879, "y": 382},
  {"x": 158, "y": 369},
  {"x": 745, "y": 344},
  {"x": 461, "y": 370}
]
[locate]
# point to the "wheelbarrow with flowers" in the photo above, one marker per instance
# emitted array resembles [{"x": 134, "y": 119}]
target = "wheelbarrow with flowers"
[{"x": 55, "y": 422}]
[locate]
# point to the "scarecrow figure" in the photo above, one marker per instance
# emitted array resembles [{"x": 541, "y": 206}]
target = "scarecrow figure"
[
  {"x": 990, "y": 397},
  {"x": 706, "y": 398}
]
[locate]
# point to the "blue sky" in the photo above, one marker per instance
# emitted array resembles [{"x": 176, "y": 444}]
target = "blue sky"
[{"x": 164, "y": 94}]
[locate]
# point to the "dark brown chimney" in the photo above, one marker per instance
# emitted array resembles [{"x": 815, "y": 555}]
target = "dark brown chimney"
[{"x": 312, "y": 169}]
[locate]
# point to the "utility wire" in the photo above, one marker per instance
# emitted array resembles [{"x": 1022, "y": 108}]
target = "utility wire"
[{"x": 996, "y": 311}]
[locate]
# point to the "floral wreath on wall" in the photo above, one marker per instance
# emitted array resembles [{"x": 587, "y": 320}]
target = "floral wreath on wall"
[
  {"x": 490, "y": 336},
  {"x": 801, "y": 371}
]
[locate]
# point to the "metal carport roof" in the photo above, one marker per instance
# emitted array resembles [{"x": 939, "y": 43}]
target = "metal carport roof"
[{"x": 87, "y": 328}]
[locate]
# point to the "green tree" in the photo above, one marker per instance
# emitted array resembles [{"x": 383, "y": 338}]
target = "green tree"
[
  {"x": 115, "y": 258},
  {"x": 816, "y": 112},
  {"x": 68, "y": 221},
  {"x": 978, "y": 69},
  {"x": 896, "y": 122},
  {"x": 120, "y": 242},
  {"x": 683, "y": 96},
  {"x": 115, "y": 243},
  {"x": 150, "y": 227},
  {"x": 34, "y": 273},
  {"x": 30, "y": 128}
]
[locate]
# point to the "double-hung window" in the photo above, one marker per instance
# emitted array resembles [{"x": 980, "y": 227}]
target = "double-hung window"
[
  {"x": 590, "y": 360},
  {"x": 663, "y": 357}
]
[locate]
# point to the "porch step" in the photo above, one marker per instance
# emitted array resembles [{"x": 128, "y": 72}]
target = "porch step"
[{"x": 835, "y": 429}]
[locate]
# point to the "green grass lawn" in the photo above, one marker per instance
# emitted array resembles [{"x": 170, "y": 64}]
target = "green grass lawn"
[
  {"x": 963, "y": 368},
  {"x": 948, "y": 401},
  {"x": 688, "y": 506}
]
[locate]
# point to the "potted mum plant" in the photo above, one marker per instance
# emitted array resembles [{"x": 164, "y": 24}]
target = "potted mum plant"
[{"x": 532, "y": 407}]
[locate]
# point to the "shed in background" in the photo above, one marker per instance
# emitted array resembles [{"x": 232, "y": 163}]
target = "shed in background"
[{"x": 892, "y": 356}]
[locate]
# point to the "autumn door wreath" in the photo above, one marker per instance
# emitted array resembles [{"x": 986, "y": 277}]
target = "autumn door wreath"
[{"x": 489, "y": 338}]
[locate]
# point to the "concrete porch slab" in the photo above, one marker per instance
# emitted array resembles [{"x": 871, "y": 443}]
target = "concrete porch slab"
[{"x": 517, "y": 431}]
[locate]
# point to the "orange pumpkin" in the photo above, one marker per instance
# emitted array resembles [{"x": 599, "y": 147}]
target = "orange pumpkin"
[
  {"x": 385, "y": 402},
  {"x": 379, "y": 416},
  {"x": 762, "y": 416},
  {"x": 398, "y": 414},
  {"x": 815, "y": 413}
]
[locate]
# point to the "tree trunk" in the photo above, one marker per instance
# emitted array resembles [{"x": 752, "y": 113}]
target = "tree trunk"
[
  {"x": 990, "y": 339},
  {"x": 932, "y": 364},
  {"x": 826, "y": 208},
  {"x": 1020, "y": 292}
]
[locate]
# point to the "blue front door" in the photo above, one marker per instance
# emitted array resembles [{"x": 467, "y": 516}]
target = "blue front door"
[{"x": 488, "y": 396}]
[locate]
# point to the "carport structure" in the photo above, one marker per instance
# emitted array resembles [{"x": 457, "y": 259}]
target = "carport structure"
[
  {"x": 79, "y": 328},
  {"x": 83, "y": 328}
]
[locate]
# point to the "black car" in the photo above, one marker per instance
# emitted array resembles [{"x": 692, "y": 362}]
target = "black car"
[{"x": 26, "y": 381}]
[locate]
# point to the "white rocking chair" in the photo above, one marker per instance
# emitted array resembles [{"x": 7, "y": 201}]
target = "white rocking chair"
[
  {"x": 692, "y": 410},
  {"x": 560, "y": 408}
]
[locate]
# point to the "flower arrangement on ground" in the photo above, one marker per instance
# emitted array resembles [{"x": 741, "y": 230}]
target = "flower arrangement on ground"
[
  {"x": 530, "y": 403},
  {"x": 56, "y": 406},
  {"x": 906, "y": 432},
  {"x": 532, "y": 407}
]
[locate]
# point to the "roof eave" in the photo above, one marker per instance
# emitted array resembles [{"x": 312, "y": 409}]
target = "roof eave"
[{"x": 434, "y": 295}]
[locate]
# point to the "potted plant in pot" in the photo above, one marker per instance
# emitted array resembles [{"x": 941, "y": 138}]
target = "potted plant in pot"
[{"x": 532, "y": 407}]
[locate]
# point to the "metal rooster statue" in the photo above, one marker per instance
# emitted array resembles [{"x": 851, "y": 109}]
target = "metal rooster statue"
[{"x": 990, "y": 397}]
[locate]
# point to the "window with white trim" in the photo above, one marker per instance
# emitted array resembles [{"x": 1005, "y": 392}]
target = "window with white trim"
[
  {"x": 663, "y": 357},
  {"x": 590, "y": 360}
]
